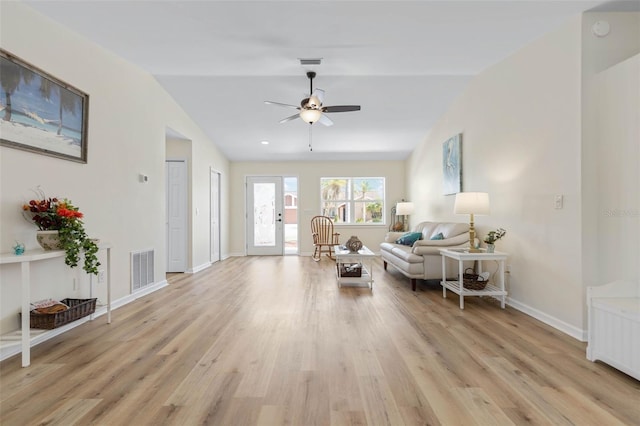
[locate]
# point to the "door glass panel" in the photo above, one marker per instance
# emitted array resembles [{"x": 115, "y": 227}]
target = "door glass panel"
[
  {"x": 290, "y": 215},
  {"x": 265, "y": 213},
  {"x": 264, "y": 225}
]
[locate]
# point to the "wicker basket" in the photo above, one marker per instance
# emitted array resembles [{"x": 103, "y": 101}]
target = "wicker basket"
[
  {"x": 473, "y": 281},
  {"x": 78, "y": 308},
  {"x": 350, "y": 269}
]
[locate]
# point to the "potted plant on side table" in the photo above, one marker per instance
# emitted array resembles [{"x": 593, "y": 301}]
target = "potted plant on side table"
[
  {"x": 492, "y": 237},
  {"x": 51, "y": 214}
]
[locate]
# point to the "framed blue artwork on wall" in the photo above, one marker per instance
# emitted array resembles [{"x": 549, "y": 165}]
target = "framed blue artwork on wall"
[
  {"x": 40, "y": 113},
  {"x": 452, "y": 165}
]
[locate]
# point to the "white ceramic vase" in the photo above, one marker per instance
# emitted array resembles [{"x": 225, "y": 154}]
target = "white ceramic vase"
[{"x": 49, "y": 240}]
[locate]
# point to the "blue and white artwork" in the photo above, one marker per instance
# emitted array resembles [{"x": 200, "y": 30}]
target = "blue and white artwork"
[
  {"x": 452, "y": 165},
  {"x": 39, "y": 113}
]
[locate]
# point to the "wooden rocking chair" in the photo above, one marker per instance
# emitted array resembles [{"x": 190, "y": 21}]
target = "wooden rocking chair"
[{"x": 323, "y": 236}]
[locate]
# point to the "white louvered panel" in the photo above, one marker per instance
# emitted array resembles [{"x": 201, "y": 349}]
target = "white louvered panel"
[
  {"x": 616, "y": 338},
  {"x": 142, "y": 264}
]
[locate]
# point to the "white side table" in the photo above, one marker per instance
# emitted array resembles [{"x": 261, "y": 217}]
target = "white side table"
[
  {"x": 364, "y": 256},
  {"x": 461, "y": 255},
  {"x": 25, "y": 261}
]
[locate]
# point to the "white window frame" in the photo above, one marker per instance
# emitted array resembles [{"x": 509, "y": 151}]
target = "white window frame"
[{"x": 349, "y": 201}]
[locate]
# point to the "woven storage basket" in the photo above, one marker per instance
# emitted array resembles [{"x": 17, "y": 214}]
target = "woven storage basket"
[
  {"x": 350, "y": 269},
  {"x": 78, "y": 308},
  {"x": 473, "y": 281}
]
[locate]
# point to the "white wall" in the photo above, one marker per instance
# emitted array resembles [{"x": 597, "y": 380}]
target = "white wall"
[
  {"x": 309, "y": 174},
  {"x": 609, "y": 96},
  {"x": 618, "y": 136},
  {"x": 128, "y": 116},
  {"x": 520, "y": 121},
  {"x": 528, "y": 127}
]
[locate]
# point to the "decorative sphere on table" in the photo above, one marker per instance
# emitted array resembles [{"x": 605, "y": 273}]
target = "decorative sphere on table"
[{"x": 353, "y": 244}]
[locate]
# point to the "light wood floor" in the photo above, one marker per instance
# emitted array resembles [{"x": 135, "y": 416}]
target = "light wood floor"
[{"x": 274, "y": 341}]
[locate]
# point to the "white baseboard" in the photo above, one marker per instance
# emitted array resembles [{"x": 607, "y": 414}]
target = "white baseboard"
[
  {"x": 198, "y": 268},
  {"x": 138, "y": 294},
  {"x": 554, "y": 322}
]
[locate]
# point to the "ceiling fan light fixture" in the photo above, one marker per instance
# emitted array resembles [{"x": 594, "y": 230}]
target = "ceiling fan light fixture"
[
  {"x": 314, "y": 102},
  {"x": 310, "y": 115}
]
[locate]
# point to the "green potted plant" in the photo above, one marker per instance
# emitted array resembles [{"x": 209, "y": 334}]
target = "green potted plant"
[
  {"x": 492, "y": 237},
  {"x": 51, "y": 215}
]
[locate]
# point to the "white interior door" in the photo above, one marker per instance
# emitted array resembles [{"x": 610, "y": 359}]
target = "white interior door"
[
  {"x": 265, "y": 209},
  {"x": 214, "y": 213},
  {"x": 176, "y": 172}
]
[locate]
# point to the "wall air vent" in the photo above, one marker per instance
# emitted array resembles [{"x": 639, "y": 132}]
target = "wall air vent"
[
  {"x": 141, "y": 269},
  {"x": 310, "y": 61}
]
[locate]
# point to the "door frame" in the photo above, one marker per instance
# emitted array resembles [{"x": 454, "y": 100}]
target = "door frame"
[
  {"x": 184, "y": 199},
  {"x": 212, "y": 243},
  {"x": 278, "y": 248}
]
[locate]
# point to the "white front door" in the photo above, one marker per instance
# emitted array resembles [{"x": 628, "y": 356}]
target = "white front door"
[
  {"x": 265, "y": 216},
  {"x": 176, "y": 172},
  {"x": 215, "y": 216}
]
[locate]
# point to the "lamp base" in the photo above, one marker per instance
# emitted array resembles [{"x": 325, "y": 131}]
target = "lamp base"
[
  {"x": 472, "y": 237},
  {"x": 398, "y": 227}
]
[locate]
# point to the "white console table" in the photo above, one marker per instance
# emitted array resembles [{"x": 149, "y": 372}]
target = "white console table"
[
  {"x": 462, "y": 255},
  {"x": 25, "y": 261}
]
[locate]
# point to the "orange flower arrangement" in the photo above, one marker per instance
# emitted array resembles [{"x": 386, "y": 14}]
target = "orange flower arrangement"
[{"x": 51, "y": 214}]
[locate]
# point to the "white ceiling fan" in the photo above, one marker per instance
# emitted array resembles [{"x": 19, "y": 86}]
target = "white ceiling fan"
[{"x": 311, "y": 109}]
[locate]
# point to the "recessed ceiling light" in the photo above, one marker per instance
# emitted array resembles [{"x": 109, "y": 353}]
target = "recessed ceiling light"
[{"x": 264, "y": 142}]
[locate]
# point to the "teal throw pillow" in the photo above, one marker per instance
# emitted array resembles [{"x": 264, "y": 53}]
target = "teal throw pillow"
[
  {"x": 409, "y": 238},
  {"x": 438, "y": 236}
]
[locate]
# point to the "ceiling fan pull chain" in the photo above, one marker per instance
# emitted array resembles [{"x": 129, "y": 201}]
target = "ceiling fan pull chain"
[{"x": 310, "y": 145}]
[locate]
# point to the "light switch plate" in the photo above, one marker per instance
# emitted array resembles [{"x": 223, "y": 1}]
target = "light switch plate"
[{"x": 559, "y": 201}]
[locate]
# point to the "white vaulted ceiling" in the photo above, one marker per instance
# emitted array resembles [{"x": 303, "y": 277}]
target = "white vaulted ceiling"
[{"x": 404, "y": 62}]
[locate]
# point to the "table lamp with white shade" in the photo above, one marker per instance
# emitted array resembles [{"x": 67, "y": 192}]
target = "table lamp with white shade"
[
  {"x": 404, "y": 209},
  {"x": 472, "y": 203}
]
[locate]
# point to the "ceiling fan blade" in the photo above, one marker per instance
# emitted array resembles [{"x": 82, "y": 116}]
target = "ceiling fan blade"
[
  {"x": 281, "y": 104},
  {"x": 316, "y": 99},
  {"x": 341, "y": 108},
  {"x": 325, "y": 120},
  {"x": 293, "y": 117}
]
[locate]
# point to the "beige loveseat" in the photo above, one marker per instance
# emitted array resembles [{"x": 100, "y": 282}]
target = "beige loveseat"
[{"x": 422, "y": 260}]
